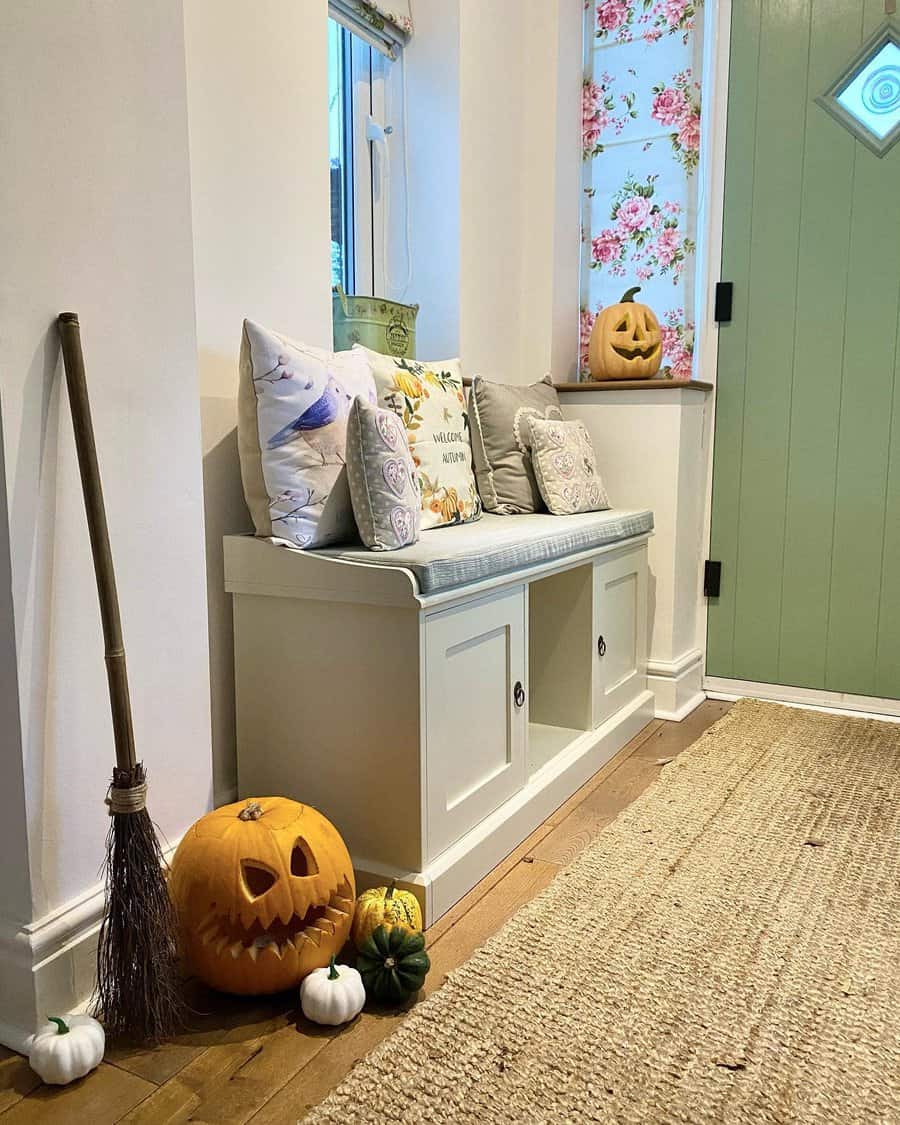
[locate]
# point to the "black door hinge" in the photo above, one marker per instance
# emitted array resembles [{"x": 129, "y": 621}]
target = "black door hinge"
[
  {"x": 712, "y": 578},
  {"x": 724, "y": 294}
]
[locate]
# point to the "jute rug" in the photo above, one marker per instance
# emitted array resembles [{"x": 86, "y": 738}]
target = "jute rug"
[{"x": 727, "y": 950}]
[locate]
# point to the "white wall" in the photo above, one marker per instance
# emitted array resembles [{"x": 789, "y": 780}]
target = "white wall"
[
  {"x": 95, "y": 217},
  {"x": 16, "y": 884},
  {"x": 432, "y": 137},
  {"x": 520, "y": 91},
  {"x": 494, "y": 144},
  {"x": 492, "y": 124},
  {"x": 258, "y": 125}
]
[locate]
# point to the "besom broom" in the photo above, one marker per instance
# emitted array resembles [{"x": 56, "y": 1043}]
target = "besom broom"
[{"x": 138, "y": 994}]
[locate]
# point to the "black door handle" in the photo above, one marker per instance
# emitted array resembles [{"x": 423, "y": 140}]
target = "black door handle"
[
  {"x": 518, "y": 694},
  {"x": 601, "y": 646}
]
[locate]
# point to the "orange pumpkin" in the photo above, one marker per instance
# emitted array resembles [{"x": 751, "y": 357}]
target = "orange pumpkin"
[
  {"x": 265, "y": 893},
  {"x": 626, "y": 341}
]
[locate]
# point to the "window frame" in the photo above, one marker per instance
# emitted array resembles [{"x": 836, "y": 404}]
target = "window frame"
[{"x": 366, "y": 185}]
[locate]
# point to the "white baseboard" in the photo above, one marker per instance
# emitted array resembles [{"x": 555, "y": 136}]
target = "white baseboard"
[
  {"x": 836, "y": 702},
  {"x": 453, "y": 873},
  {"x": 48, "y": 966},
  {"x": 677, "y": 685}
]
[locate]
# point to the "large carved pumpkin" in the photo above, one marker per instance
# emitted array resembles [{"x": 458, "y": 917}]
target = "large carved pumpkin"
[
  {"x": 265, "y": 892},
  {"x": 626, "y": 342}
]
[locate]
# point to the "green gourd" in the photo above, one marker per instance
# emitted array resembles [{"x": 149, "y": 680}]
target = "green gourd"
[{"x": 393, "y": 964}]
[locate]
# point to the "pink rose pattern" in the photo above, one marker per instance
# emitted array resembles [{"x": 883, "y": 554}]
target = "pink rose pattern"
[
  {"x": 598, "y": 113},
  {"x": 678, "y": 345},
  {"x": 625, "y": 21},
  {"x": 678, "y": 105},
  {"x": 642, "y": 234},
  {"x": 645, "y": 237},
  {"x": 584, "y": 336}
]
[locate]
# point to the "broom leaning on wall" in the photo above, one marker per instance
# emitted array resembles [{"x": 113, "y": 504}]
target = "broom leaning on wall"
[{"x": 138, "y": 994}]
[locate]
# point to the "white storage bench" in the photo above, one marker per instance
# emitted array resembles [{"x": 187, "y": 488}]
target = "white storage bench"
[{"x": 438, "y": 702}]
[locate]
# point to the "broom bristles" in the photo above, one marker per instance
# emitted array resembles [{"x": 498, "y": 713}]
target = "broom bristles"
[{"x": 139, "y": 990}]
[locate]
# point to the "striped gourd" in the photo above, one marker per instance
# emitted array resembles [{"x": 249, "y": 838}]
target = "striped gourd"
[{"x": 388, "y": 907}]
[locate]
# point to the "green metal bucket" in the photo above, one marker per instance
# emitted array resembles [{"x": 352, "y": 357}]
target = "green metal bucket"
[{"x": 384, "y": 326}]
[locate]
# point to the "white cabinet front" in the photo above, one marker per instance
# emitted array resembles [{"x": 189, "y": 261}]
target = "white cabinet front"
[
  {"x": 620, "y": 623},
  {"x": 476, "y": 713}
]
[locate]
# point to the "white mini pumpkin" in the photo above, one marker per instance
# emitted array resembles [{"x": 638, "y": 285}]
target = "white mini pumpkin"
[
  {"x": 67, "y": 1049},
  {"x": 332, "y": 995}
]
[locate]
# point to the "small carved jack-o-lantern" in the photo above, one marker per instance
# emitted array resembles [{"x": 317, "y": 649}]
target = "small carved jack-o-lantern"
[
  {"x": 626, "y": 342},
  {"x": 264, "y": 891}
]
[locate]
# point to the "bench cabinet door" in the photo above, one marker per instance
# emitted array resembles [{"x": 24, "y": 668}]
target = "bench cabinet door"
[
  {"x": 620, "y": 627},
  {"x": 476, "y": 713}
]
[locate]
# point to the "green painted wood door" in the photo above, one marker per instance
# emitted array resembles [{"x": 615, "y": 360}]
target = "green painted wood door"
[{"x": 806, "y": 478}]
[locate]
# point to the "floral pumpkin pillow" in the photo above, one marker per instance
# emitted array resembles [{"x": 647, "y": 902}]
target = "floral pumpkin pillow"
[{"x": 428, "y": 398}]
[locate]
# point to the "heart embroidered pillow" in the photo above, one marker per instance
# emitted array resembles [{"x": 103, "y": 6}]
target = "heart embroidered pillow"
[
  {"x": 565, "y": 467},
  {"x": 293, "y": 402},
  {"x": 382, "y": 476},
  {"x": 428, "y": 398},
  {"x": 501, "y": 415}
]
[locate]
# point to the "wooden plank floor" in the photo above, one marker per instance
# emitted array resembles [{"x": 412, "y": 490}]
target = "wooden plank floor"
[{"x": 259, "y": 1060}]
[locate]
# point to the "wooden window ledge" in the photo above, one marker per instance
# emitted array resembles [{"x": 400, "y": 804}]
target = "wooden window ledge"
[
  {"x": 628, "y": 385},
  {"x": 637, "y": 385}
]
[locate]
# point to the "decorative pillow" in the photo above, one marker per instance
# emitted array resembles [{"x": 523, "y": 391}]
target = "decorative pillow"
[
  {"x": 293, "y": 402},
  {"x": 500, "y": 415},
  {"x": 565, "y": 468},
  {"x": 382, "y": 477},
  {"x": 428, "y": 398}
]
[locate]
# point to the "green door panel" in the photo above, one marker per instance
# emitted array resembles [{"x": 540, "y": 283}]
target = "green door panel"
[{"x": 806, "y": 482}]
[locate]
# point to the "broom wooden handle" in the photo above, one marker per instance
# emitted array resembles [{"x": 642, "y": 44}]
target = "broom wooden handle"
[{"x": 116, "y": 674}]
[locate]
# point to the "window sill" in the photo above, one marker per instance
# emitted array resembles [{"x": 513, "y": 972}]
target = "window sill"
[{"x": 637, "y": 385}]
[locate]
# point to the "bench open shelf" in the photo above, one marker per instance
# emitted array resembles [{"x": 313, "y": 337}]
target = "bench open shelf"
[{"x": 560, "y": 627}]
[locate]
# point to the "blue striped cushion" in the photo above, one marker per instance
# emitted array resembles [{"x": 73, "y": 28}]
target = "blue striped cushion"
[{"x": 447, "y": 557}]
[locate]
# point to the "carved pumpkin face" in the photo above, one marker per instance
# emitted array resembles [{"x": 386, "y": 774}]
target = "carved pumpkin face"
[
  {"x": 265, "y": 892},
  {"x": 626, "y": 342}
]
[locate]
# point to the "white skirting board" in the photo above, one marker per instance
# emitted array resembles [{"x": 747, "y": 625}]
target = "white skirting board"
[
  {"x": 48, "y": 967},
  {"x": 840, "y": 703},
  {"x": 461, "y": 866},
  {"x": 677, "y": 685}
]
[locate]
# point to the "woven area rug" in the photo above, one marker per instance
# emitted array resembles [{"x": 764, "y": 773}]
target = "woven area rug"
[{"x": 727, "y": 950}]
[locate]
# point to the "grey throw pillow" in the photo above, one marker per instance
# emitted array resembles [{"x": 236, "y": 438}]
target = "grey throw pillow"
[
  {"x": 565, "y": 468},
  {"x": 382, "y": 478},
  {"x": 499, "y": 415}
]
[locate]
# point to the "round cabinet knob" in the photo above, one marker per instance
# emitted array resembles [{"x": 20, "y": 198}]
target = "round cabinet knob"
[
  {"x": 601, "y": 646},
  {"x": 518, "y": 694}
]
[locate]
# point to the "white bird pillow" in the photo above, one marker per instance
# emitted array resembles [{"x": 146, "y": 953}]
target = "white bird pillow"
[{"x": 293, "y": 404}]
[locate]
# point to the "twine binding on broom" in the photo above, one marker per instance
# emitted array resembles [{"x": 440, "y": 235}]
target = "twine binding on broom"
[{"x": 127, "y": 800}]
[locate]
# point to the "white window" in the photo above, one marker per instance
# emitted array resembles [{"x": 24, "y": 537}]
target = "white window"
[{"x": 360, "y": 138}]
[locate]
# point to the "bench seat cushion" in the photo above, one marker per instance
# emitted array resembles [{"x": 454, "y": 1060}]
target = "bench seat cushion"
[{"x": 447, "y": 557}]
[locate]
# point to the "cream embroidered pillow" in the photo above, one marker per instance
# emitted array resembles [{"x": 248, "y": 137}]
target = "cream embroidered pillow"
[
  {"x": 293, "y": 402},
  {"x": 428, "y": 398},
  {"x": 566, "y": 471}
]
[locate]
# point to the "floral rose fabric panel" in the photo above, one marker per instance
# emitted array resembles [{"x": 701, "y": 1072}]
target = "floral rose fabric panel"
[{"x": 641, "y": 115}]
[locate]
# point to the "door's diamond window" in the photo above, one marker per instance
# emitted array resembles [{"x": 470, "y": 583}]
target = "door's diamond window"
[{"x": 865, "y": 98}]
